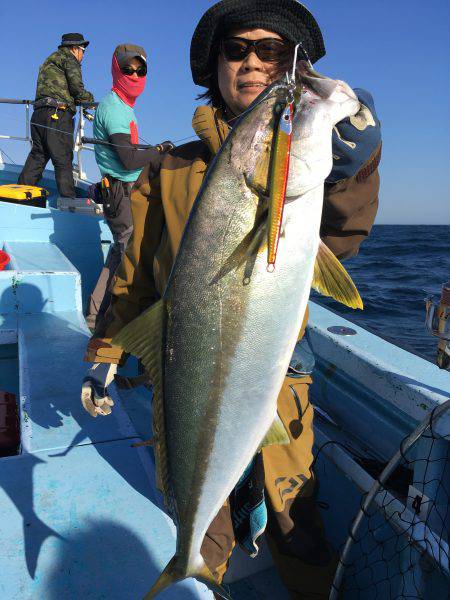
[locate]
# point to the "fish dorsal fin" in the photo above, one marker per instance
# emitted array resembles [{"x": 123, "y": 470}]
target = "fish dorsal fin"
[
  {"x": 144, "y": 338},
  {"x": 331, "y": 279},
  {"x": 277, "y": 434}
]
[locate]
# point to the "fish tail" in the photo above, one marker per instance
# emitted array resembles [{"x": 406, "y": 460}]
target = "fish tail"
[{"x": 173, "y": 573}]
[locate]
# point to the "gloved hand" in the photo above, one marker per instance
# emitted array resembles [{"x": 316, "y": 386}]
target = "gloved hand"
[
  {"x": 355, "y": 139},
  {"x": 165, "y": 147},
  {"x": 94, "y": 392},
  {"x": 95, "y": 192}
]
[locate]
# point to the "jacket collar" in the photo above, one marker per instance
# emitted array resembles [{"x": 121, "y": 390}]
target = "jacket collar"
[
  {"x": 64, "y": 51},
  {"x": 211, "y": 127}
]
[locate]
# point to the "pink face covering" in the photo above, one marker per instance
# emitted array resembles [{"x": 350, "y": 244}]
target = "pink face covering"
[{"x": 127, "y": 87}]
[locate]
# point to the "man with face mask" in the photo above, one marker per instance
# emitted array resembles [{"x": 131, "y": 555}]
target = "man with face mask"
[{"x": 121, "y": 162}]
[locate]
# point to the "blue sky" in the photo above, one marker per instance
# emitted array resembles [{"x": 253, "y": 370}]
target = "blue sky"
[{"x": 397, "y": 49}]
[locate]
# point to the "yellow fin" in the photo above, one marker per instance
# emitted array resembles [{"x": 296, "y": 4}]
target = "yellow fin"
[
  {"x": 331, "y": 279},
  {"x": 143, "y": 337},
  {"x": 259, "y": 180},
  {"x": 172, "y": 574},
  {"x": 277, "y": 434}
]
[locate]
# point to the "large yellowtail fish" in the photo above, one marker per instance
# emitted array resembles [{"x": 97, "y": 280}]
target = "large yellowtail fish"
[{"x": 217, "y": 346}]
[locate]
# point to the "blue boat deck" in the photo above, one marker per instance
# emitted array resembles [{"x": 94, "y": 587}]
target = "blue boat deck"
[{"x": 111, "y": 513}]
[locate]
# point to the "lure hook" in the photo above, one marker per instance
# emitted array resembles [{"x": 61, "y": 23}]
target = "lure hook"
[{"x": 292, "y": 77}]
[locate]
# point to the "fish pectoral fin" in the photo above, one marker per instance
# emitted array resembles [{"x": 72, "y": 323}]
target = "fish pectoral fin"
[
  {"x": 331, "y": 279},
  {"x": 255, "y": 241},
  {"x": 277, "y": 434},
  {"x": 258, "y": 180},
  {"x": 143, "y": 337},
  {"x": 172, "y": 573}
]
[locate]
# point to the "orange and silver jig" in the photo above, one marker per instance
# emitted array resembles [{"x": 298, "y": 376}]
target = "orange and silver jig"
[
  {"x": 278, "y": 182},
  {"x": 279, "y": 170}
]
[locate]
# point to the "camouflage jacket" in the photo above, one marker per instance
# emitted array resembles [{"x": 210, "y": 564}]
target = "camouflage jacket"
[{"x": 60, "y": 78}]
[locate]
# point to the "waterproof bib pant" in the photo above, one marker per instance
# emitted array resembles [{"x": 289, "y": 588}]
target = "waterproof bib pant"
[
  {"x": 52, "y": 140},
  {"x": 117, "y": 211}
]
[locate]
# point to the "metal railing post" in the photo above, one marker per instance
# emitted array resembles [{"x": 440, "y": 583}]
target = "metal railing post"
[
  {"x": 27, "y": 123},
  {"x": 78, "y": 143}
]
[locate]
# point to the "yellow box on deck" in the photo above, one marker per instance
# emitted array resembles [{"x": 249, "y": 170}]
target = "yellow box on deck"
[{"x": 29, "y": 195}]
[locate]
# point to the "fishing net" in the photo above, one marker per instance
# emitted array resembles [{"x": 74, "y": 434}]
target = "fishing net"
[{"x": 398, "y": 544}]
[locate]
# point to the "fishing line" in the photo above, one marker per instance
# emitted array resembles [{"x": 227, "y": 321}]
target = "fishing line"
[
  {"x": 105, "y": 142},
  {"x": 7, "y": 156},
  {"x": 144, "y": 140},
  {"x": 12, "y": 118},
  {"x": 190, "y": 137},
  {"x": 71, "y": 135},
  {"x": 184, "y": 139}
]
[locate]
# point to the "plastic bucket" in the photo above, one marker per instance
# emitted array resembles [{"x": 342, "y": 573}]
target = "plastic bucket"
[{"x": 4, "y": 260}]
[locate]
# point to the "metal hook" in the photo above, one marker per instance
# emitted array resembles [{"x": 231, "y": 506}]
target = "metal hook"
[
  {"x": 291, "y": 78},
  {"x": 294, "y": 65},
  {"x": 305, "y": 56}
]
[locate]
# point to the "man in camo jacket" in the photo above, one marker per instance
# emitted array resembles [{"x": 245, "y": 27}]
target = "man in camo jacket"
[{"x": 59, "y": 88}]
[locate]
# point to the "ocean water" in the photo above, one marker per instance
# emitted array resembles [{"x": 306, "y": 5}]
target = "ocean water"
[{"x": 396, "y": 268}]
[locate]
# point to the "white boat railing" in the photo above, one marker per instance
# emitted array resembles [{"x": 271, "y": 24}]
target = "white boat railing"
[{"x": 79, "y": 147}]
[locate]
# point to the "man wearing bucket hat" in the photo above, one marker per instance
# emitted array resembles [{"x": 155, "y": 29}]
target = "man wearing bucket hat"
[
  {"x": 59, "y": 88},
  {"x": 238, "y": 48},
  {"x": 121, "y": 162}
]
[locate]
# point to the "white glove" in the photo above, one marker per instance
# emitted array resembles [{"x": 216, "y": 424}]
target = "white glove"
[{"x": 94, "y": 392}]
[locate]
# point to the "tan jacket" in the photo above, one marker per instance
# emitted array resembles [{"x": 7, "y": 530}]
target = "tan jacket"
[{"x": 161, "y": 206}]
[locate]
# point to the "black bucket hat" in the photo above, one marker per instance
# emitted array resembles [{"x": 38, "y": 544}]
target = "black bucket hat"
[
  {"x": 288, "y": 18},
  {"x": 73, "y": 39}
]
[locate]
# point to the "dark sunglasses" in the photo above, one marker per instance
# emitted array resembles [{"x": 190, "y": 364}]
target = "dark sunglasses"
[
  {"x": 266, "y": 49},
  {"x": 140, "y": 71}
]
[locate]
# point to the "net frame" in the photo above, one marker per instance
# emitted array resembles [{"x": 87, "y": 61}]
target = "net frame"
[{"x": 428, "y": 548}]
